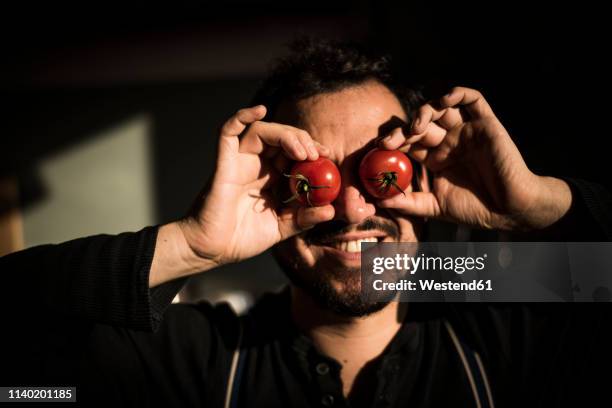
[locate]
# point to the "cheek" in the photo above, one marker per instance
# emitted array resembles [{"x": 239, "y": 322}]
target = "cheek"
[{"x": 296, "y": 250}]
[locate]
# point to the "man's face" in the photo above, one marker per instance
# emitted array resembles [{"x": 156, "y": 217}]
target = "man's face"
[{"x": 325, "y": 261}]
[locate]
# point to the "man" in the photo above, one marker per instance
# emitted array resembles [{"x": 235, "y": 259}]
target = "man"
[{"x": 101, "y": 303}]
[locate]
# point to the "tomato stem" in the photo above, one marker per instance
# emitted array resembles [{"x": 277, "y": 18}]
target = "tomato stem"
[
  {"x": 302, "y": 186},
  {"x": 387, "y": 179}
]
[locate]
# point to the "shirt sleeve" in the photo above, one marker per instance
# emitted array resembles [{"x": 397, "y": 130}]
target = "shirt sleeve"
[
  {"x": 597, "y": 202},
  {"x": 102, "y": 278},
  {"x": 589, "y": 218},
  {"x": 81, "y": 313}
]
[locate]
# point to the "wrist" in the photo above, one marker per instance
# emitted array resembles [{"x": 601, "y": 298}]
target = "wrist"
[
  {"x": 174, "y": 257},
  {"x": 552, "y": 200}
]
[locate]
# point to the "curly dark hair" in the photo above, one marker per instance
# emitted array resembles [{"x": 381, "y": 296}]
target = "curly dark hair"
[{"x": 315, "y": 66}]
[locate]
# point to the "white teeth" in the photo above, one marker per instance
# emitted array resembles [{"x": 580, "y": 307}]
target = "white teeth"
[{"x": 353, "y": 246}]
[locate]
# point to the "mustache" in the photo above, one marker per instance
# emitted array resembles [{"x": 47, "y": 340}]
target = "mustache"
[{"x": 328, "y": 231}]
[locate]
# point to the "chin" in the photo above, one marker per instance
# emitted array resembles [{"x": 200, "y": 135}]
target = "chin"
[
  {"x": 331, "y": 283},
  {"x": 346, "y": 298}
]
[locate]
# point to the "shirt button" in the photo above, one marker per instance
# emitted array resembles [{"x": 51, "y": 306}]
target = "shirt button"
[
  {"x": 322, "y": 368},
  {"x": 327, "y": 400}
]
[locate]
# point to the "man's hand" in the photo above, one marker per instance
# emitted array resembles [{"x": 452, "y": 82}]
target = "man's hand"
[
  {"x": 479, "y": 176},
  {"x": 236, "y": 217}
]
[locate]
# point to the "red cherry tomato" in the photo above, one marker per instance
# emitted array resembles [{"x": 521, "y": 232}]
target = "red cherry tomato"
[
  {"x": 314, "y": 183},
  {"x": 385, "y": 173}
]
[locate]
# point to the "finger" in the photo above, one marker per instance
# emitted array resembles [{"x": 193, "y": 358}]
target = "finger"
[
  {"x": 394, "y": 140},
  {"x": 445, "y": 154},
  {"x": 244, "y": 117},
  {"x": 281, "y": 161},
  {"x": 419, "y": 204},
  {"x": 307, "y": 142},
  {"x": 261, "y": 135},
  {"x": 432, "y": 136},
  {"x": 418, "y": 153},
  {"x": 451, "y": 118},
  {"x": 294, "y": 220},
  {"x": 228, "y": 136},
  {"x": 323, "y": 150},
  {"x": 308, "y": 217},
  {"x": 470, "y": 99},
  {"x": 424, "y": 116},
  {"x": 405, "y": 148},
  {"x": 419, "y": 145}
]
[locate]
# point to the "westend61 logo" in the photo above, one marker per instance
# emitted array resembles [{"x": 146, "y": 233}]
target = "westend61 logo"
[
  {"x": 492, "y": 271},
  {"x": 422, "y": 262}
]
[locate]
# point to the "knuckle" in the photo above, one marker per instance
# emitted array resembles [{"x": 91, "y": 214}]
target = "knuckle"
[
  {"x": 422, "y": 112},
  {"x": 228, "y": 125},
  {"x": 290, "y": 136},
  {"x": 458, "y": 89},
  {"x": 256, "y": 126},
  {"x": 297, "y": 135},
  {"x": 305, "y": 135},
  {"x": 428, "y": 111}
]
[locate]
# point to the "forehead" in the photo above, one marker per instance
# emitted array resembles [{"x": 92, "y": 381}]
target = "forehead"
[{"x": 348, "y": 119}]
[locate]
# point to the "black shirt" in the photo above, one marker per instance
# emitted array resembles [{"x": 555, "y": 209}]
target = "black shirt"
[{"x": 87, "y": 318}]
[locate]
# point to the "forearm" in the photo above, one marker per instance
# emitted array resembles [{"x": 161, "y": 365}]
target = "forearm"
[
  {"x": 103, "y": 278},
  {"x": 585, "y": 219},
  {"x": 554, "y": 199},
  {"x": 173, "y": 258}
]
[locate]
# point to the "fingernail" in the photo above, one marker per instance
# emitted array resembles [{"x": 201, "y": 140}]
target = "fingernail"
[
  {"x": 313, "y": 150},
  {"x": 300, "y": 150},
  {"x": 416, "y": 122}
]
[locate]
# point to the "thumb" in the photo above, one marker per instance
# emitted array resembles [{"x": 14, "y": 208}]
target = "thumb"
[
  {"x": 293, "y": 220},
  {"x": 234, "y": 126},
  {"x": 420, "y": 204}
]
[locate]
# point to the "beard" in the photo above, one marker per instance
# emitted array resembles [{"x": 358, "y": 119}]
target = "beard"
[
  {"x": 338, "y": 291},
  {"x": 333, "y": 286}
]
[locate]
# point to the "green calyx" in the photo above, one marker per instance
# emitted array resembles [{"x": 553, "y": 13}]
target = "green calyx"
[
  {"x": 386, "y": 180},
  {"x": 302, "y": 187}
]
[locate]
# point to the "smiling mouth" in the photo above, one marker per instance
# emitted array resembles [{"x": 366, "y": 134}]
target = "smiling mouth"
[
  {"x": 352, "y": 245},
  {"x": 344, "y": 240}
]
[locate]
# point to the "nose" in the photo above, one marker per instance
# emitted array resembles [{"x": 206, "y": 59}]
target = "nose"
[{"x": 351, "y": 206}]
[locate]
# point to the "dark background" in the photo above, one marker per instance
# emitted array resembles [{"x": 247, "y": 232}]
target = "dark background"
[{"x": 68, "y": 69}]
